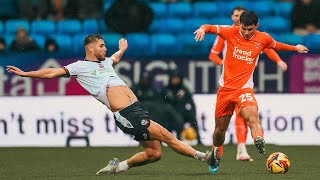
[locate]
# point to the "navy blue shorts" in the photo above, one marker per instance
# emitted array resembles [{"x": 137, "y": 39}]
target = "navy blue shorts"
[{"x": 134, "y": 120}]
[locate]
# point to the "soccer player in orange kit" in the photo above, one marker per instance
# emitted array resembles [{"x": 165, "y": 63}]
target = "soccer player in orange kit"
[
  {"x": 243, "y": 46},
  {"x": 240, "y": 124}
]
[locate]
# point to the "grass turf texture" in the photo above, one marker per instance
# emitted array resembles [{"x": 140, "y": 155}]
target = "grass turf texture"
[{"x": 83, "y": 163}]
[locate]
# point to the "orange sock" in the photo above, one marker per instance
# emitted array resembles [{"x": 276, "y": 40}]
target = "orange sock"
[{"x": 220, "y": 149}]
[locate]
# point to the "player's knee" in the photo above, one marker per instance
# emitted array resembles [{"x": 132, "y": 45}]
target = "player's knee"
[
  {"x": 220, "y": 130},
  {"x": 153, "y": 155}
]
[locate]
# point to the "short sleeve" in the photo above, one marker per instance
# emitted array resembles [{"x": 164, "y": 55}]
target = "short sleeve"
[
  {"x": 109, "y": 61},
  {"x": 224, "y": 30},
  {"x": 270, "y": 42},
  {"x": 72, "y": 69}
]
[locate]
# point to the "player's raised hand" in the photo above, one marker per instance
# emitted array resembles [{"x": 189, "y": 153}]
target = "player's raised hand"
[
  {"x": 282, "y": 65},
  {"x": 15, "y": 70},
  {"x": 199, "y": 34},
  {"x": 123, "y": 44},
  {"x": 302, "y": 48}
]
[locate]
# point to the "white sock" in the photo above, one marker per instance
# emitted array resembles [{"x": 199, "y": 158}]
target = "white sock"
[
  {"x": 199, "y": 155},
  {"x": 123, "y": 166},
  {"x": 242, "y": 148}
]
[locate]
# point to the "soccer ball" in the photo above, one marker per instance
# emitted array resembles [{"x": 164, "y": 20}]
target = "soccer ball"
[{"x": 278, "y": 163}]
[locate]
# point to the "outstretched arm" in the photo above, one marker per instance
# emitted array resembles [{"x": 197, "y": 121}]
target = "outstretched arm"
[
  {"x": 206, "y": 28},
  {"x": 123, "y": 45},
  {"x": 276, "y": 58},
  {"x": 46, "y": 73}
]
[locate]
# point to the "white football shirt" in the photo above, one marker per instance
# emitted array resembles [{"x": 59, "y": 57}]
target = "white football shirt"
[{"x": 95, "y": 77}]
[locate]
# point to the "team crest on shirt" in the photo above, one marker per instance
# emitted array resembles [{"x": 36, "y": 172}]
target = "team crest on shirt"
[
  {"x": 257, "y": 44},
  {"x": 238, "y": 39},
  {"x": 144, "y": 122},
  {"x": 94, "y": 73},
  {"x": 101, "y": 66}
]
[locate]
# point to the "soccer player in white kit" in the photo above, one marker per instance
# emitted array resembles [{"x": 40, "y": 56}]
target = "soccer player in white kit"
[{"x": 96, "y": 74}]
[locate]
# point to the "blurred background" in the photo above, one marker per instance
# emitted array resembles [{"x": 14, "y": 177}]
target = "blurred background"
[{"x": 162, "y": 59}]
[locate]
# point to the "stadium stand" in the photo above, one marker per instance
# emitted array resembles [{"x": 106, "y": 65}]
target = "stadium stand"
[
  {"x": 163, "y": 44},
  {"x": 283, "y": 9},
  {"x": 69, "y": 27},
  {"x": 112, "y": 41},
  {"x": 205, "y": 9},
  {"x": 275, "y": 24},
  {"x": 159, "y": 9},
  {"x": 63, "y": 41},
  {"x": 290, "y": 38},
  {"x": 137, "y": 44},
  {"x": 39, "y": 39},
  {"x": 312, "y": 41},
  {"x": 180, "y": 9},
  {"x": 13, "y": 24},
  {"x": 171, "y": 20},
  {"x": 90, "y": 26},
  {"x": 1, "y": 27},
  {"x": 44, "y": 27}
]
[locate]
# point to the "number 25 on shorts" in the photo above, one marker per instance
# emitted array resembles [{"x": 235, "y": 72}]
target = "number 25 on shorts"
[{"x": 246, "y": 97}]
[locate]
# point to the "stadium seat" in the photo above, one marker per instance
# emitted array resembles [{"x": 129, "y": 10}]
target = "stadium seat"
[
  {"x": 44, "y": 27},
  {"x": 283, "y": 9},
  {"x": 189, "y": 47},
  {"x": 102, "y": 26},
  {"x": 155, "y": 25},
  {"x": 221, "y": 21},
  {"x": 70, "y": 27},
  {"x": 90, "y": 26},
  {"x": 225, "y": 9},
  {"x": 194, "y": 23},
  {"x": 39, "y": 39},
  {"x": 63, "y": 41},
  {"x": 1, "y": 27},
  {"x": 169, "y": 25},
  {"x": 205, "y": 9},
  {"x": 78, "y": 43},
  {"x": 12, "y": 25},
  {"x": 112, "y": 42},
  {"x": 179, "y": 10},
  {"x": 244, "y": 3},
  {"x": 274, "y": 36},
  {"x": 139, "y": 43},
  {"x": 312, "y": 42},
  {"x": 9, "y": 39},
  {"x": 274, "y": 24},
  {"x": 290, "y": 38},
  {"x": 164, "y": 45},
  {"x": 159, "y": 9},
  {"x": 262, "y": 8}
]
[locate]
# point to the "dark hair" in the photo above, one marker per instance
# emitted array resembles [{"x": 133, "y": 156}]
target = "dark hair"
[
  {"x": 238, "y": 8},
  {"x": 49, "y": 41},
  {"x": 249, "y": 18},
  {"x": 92, "y": 38}
]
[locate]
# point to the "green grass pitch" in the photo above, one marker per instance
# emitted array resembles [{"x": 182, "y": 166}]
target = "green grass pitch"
[{"x": 82, "y": 164}]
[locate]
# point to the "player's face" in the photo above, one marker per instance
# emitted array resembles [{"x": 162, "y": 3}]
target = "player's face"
[
  {"x": 100, "y": 50},
  {"x": 236, "y": 17},
  {"x": 248, "y": 31}
]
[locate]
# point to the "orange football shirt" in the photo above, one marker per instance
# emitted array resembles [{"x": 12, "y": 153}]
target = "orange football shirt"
[{"x": 241, "y": 55}]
